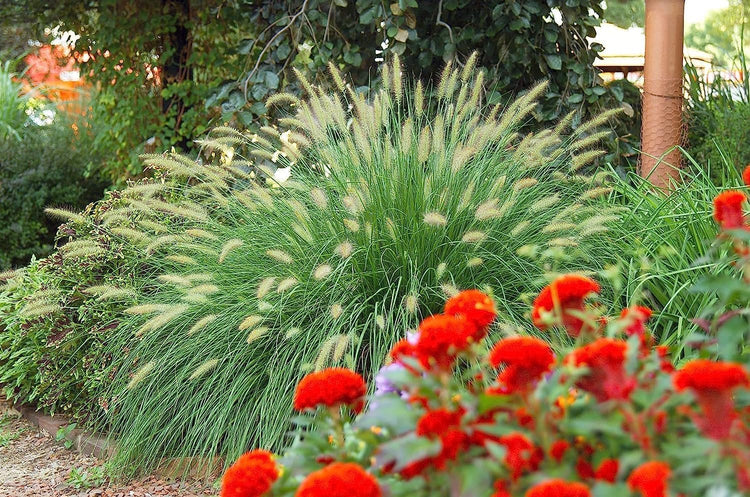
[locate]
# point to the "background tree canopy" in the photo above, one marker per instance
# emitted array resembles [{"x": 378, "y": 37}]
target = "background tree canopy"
[{"x": 167, "y": 70}]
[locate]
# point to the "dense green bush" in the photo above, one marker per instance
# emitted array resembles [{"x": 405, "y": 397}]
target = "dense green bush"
[{"x": 44, "y": 167}]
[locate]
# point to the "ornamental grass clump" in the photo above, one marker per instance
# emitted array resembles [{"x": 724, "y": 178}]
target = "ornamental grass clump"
[
  {"x": 608, "y": 416},
  {"x": 317, "y": 242}
]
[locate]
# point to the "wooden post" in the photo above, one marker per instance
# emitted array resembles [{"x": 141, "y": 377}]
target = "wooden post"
[{"x": 662, "y": 91}]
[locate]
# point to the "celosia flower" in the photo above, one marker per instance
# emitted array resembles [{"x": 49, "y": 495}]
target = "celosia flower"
[
  {"x": 607, "y": 470},
  {"x": 250, "y": 476},
  {"x": 558, "y": 449},
  {"x": 650, "y": 479},
  {"x": 635, "y": 319},
  {"x": 746, "y": 175},
  {"x": 563, "y": 295},
  {"x": 474, "y": 306},
  {"x": 728, "y": 209},
  {"x": 501, "y": 489},
  {"x": 339, "y": 480},
  {"x": 330, "y": 387},
  {"x": 442, "y": 338},
  {"x": 558, "y": 488},
  {"x": 606, "y": 378},
  {"x": 525, "y": 359},
  {"x": 444, "y": 425},
  {"x": 520, "y": 454},
  {"x": 712, "y": 383}
]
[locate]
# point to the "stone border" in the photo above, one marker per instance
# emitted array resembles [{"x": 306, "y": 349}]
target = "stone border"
[{"x": 90, "y": 444}]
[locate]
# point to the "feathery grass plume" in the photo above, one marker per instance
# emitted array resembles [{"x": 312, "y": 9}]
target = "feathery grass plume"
[
  {"x": 142, "y": 309},
  {"x": 265, "y": 286},
  {"x": 174, "y": 279},
  {"x": 87, "y": 251},
  {"x": 116, "y": 293},
  {"x": 141, "y": 374},
  {"x": 562, "y": 242},
  {"x": 99, "y": 289},
  {"x": 202, "y": 323},
  {"x": 342, "y": 343},
  {"x": 162, "y": 319},
  {"x": 39, "y": 309},
  {"x": 145, "y": 189},
  {"x": 250, "y": 322},
  {"x": 474, "y": 262},
  {"x": 256, "y": 333},
  {"x": 351, "y": 225},
  {"x": 589, "y": 140},
  {"x": 597, "y": 121},
  {"x": 324, "y": 353},
  {"x": 544, "y": 203},
  {"x": 322, "y": 272},
  {"x": 599, "y": 220},
  {"x": 596, "y": 192},
  {"x": 444, "y": 77},
  {"x": 474, "y": 236},
  {"x": 319, "y": 198},
  {"x": 131, "y": 234},
  {"x": 182, "y": 259},
  {"x": 204, "y": 368},
  {"x": 162, "y": 241},
  {"x": 205, "y": 289},
  {"x": 375, "y": 159},
  {"x": 228, "y": 246},
  {"x": 418, "y": 100},
  {"x": 279, "y": 256},
  {"x": 200, "y": 233},
  {"x": 282, "y": 99},
  {"x": 336, "y": 310},
  {"x": 585, "y": 158},
  {"x": 519, "y": 228},
  {"x": 8, "y": 274},
  {"x": 191, "y": 211},
  {"x": 555, "y": 227},
  {"x": 65, "y": 215},
  {"x": 170, "y": 164},
  {"x": 150, "y": 225},
  {"x": 398, "y": 88},
  {"x": 287, "y": 284},
  {"x": 435, "y": 219},
  {"x": 423, "y": 147},
  {"x": 449, "y": 289},
  {"x": 460, "y": 158},
  {"x": 78, "y": 244},
  {"x": 524, "y": 183},
  {"x": 469, "y": 66}
]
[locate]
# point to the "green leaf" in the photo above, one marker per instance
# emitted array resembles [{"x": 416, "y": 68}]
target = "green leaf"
[
  {"x": 390, "y": 412},
  {"x": 730, "y": 337},
  {"x": 575, "y": 98},
  {"x": 554, "y": 61},
  {"x": 406, "y": 450}
]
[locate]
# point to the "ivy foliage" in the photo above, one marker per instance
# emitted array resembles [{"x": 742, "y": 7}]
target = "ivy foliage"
[{"x": 218, "y": 60}]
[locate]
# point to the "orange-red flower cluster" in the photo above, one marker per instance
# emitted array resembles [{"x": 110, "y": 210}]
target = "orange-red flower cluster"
[
  {"x": 650, "y": 479},
  {"x": 442, "y": 338},
  {"x": 331, "y": 387},
  {"x": 250, "y": 476},
  {"x": 520, "y": 454},
  {"x": 562, "y": 296},
  {"x": 525, "y": 360},
  {"x": 474, "y": 306},
  {"x": 635, "y": 319},
  {"x": 606, "y": 378},
  {"x": 340, "y": 480},
  {"x": 728, "y": 209},
  {"x": 558, "y": 488},
  {"x": 746, "y": 175},
  {"x": 444, "y": 425},
  {"x": 712, "y": 383}
]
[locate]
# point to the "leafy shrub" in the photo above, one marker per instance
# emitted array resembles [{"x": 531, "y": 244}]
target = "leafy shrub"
[
  {"x": 390, "y": 206},
  {"x": 12, "y": 104},
  {"x": 609, "y": 416}
]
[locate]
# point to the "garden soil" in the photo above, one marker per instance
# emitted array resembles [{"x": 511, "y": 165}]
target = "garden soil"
[{"x": 33, "y": 464}]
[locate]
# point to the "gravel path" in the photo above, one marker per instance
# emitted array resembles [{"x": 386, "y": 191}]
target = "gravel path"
[{"x": 32, "y": 463}]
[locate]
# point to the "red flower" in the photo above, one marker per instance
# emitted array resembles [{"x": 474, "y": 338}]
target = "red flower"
[
  {"x": 558, "y": 449},
  {"x": 746, "y": 175},
  {"x": 563, "y": 295},
  {"x": 520, "y": 454},
  {"x": 445, "y": 425},
  {"x": 728, "y": 209},
  {"x": 442, "y": 338},
  {"x": 606, "y": 378},
  {"x": 339, "y": 480},
  {"x": 558, "y": 488},
  {"x": 402, "y": 349},
  {"x": 635, "y": 319},
  {"x": 330, "y": 387},
  {"x": 607, "y": 470},
  {"x": 501, "y": 489},
  {"x": 250, "y": 476},
  {"x": 474, "y": 306},
  {"x": 526, "y": 359},
  {"x": 650, "y": 479},
  {"x": 712, "y": 383}
]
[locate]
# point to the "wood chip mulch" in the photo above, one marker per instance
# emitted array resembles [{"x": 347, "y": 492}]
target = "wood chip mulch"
[{"x": 32, "y": 463}]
